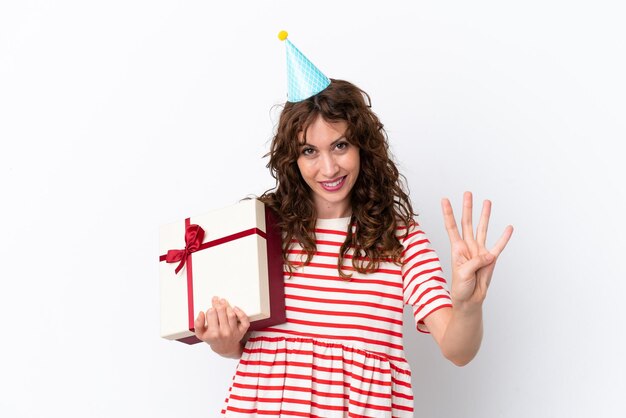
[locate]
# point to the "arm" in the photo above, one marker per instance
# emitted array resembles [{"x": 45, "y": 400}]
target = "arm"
[
  {"x": 224, "y": 328},
  {"x": 459, "y": 330}
]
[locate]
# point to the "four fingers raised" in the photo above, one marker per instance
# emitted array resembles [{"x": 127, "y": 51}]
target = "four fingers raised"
[
  {"x": 483, "y": 224},
  {"x": 466, "y": 218},
  {"x": 466, "y": 224},
  {"x": 504, "y": 239},
  {"x": 449, "y": 221}
]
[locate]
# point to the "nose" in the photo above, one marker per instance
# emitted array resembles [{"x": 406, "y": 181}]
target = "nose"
[{"x": 329, "y": 167}]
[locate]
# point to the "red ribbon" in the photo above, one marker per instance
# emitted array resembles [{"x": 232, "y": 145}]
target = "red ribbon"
[{"x": 194, "y": 234}]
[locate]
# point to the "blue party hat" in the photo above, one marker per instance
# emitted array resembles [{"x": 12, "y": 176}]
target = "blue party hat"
[{"x": 303, "y": 78}]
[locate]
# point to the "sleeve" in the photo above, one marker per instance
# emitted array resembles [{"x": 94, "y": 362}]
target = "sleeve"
[{"x": 424, "y": 287}]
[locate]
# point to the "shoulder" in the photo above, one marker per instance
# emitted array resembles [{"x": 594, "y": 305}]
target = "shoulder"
[
  {"x": 406, "y": 232},
  {"x": 416, "y": 246}
]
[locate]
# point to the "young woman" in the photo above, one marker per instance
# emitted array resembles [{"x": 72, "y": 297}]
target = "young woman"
[{"x": 354, "y": 256}]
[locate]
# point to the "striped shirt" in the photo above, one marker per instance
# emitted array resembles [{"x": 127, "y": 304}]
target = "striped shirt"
[{"x": 340, "y": 353}]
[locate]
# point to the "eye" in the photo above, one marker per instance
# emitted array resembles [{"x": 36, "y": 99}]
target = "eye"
[
  {"x": 342, "y": 145},
  {"x": 307, "y": 151}
]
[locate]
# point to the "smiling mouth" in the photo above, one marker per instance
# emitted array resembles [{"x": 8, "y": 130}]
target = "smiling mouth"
[{"x": 333, "y": 185}]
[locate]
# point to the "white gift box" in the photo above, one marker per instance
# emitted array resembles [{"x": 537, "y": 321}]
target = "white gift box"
[{"x": 239, "y": 259}]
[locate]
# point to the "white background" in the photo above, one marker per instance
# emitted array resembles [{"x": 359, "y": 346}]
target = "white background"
[{"x": 118, "y": 116}]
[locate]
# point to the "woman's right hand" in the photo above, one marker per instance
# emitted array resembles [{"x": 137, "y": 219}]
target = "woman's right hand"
[{"x": 223, "y": 328}]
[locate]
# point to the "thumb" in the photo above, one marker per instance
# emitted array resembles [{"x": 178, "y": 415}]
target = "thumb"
[{"x": 478, "y": 262}]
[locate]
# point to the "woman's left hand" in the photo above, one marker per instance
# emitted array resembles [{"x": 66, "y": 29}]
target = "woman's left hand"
[{"x": 472, "y": 263}]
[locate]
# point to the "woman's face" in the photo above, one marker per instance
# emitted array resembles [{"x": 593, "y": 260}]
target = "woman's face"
[{"x": 329, "y": 165}]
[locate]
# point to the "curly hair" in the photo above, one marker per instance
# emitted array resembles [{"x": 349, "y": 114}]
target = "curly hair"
[{"x": 379, "y": 200}]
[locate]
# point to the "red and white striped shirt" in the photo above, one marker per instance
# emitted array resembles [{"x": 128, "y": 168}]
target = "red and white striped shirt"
[{"x": 340, "y": 353}]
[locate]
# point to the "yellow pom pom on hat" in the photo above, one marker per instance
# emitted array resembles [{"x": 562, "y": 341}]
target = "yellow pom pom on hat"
[{"x": 303, "y": 78}]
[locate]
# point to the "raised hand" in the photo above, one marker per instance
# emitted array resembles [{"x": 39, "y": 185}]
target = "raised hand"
[
  {"x": 222, "y": 327},
  {"x": 472, "y": 263}
]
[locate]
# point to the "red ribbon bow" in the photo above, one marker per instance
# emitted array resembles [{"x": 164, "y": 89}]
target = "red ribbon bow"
[{"x": 194, "y": 234}]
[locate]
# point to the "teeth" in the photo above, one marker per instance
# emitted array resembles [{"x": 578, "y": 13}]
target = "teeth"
[{"x": 336, "y": 183}]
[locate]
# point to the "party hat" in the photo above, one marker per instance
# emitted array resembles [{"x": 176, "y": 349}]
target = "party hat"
[{"x": 303, "y": 78}]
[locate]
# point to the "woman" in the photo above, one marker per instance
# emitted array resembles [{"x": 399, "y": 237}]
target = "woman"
[{"x": 354, "y": 256}]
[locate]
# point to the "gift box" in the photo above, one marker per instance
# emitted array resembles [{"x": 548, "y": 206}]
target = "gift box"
[{"x": 234, "y": 253}]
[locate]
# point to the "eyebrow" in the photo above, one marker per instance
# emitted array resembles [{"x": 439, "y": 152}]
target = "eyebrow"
[{"x": 343, "y": 137}]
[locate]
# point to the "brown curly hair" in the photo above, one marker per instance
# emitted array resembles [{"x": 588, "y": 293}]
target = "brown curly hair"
[{"x": 378, "y": 198}]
